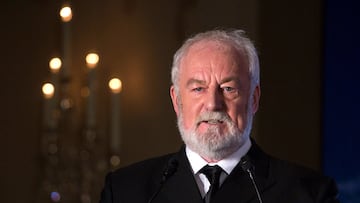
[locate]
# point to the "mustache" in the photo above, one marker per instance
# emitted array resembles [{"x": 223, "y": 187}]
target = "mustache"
[{"x": 210, "y": 116}]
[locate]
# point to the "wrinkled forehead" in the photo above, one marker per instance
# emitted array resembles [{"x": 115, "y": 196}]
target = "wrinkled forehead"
[{"x": 215, "y": 47}]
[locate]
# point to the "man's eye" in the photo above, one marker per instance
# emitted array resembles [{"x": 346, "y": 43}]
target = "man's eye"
[
  {"x": 198, "y": 89},
  {"x": 229, "y": 89}
]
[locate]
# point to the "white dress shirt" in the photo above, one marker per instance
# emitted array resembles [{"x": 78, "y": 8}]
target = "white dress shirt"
[{"x": 227, "y": 164}]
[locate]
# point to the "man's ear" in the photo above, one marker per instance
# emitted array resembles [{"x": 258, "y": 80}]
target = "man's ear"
[
  {"x": 174, "y": 99},
  {"x": 256, "y": 99}
]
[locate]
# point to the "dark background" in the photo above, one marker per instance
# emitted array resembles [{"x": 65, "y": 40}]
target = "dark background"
[
  {"x": 341, "y": 98},
  {"x": 136, "y": 40}
]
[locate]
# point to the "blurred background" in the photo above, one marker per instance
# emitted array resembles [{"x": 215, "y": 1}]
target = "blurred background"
[{"x": 57, "y": 145}]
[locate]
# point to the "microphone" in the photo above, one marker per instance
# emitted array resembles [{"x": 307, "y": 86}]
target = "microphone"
[
  {"x": 169, "y": 170},
  {"x": 247, "y": 166}
]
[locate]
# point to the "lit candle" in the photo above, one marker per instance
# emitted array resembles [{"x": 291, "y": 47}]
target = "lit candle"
[
  {"x": 115, "y": 86},
  {"x": 48, "y": 91},
  {"x": 92, "y": 60},
  {"x": 55, "y": 65},
  {"x": 66, "y": 16}
]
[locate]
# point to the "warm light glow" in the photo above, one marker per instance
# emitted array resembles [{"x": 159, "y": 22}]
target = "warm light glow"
[
  {"x": 115, "y": 160},
  {"x": 48, "y": 90},
  {"x": 55, "y": 65},
  {"x": 66, "y": 13},
  {"x": 115, "y": 85},
  {"x": 66, "y": 103},
  {"x": 92, "y": 59}
]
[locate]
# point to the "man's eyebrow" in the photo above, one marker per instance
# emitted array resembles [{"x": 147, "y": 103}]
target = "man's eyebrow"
[
  {"x": 229, "y": 79},
  {"x": 196, "y": 81}
]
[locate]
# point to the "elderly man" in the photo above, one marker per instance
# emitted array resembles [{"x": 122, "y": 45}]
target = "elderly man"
[{"x": 215, "y": 94}]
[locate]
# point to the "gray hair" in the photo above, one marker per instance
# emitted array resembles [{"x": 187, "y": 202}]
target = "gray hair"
[{"x": 235, "y": 38}]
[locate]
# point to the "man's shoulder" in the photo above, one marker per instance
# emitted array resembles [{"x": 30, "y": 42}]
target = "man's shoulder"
[
  {"x": 299, "y": 180},
  {"x": 279, "y": 167},
  {"x": 285, "y": 168},
  {"x": 286, "y": 171}
]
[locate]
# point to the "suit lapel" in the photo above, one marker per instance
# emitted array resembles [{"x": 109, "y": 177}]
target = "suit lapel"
[
  {"x": 238, "y": 185},
  {"x": 181, "y": 186}
]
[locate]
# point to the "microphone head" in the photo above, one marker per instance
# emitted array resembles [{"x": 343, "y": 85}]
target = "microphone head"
[
  {"x": 170, "y": 168},
  {"x": 246, "y": 164}
]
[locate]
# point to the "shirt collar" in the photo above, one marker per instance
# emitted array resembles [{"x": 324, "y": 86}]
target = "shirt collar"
[{"x": 227, "y": 164}]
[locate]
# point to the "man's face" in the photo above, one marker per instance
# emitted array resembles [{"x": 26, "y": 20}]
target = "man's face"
[{"x": 213, "y": 100}]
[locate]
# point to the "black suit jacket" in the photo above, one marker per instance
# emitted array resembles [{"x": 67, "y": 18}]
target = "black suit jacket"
[{"x": 278, "y": 182}]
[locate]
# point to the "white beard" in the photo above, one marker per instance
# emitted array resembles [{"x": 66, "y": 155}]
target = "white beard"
[{"x": 212, "y": 144}]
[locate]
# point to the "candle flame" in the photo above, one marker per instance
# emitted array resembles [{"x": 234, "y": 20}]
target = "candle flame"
[
  {"x": 55, "y": 65},
  {"x": 115, "y": 85},
  {"x": 92, "y": 60},
  {"x": 66, "y": 13},
  {"x": 48, "y": 90}
]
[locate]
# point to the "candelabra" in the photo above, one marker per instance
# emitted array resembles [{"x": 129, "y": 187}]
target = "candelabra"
[{"x": 75, "y": 156}]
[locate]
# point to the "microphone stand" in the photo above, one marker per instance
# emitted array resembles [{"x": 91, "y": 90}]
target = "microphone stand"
[{"x": 247, "y": 166}]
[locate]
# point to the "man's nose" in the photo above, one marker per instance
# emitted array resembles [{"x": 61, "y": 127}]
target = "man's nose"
[{"x": 214, "y": 100}]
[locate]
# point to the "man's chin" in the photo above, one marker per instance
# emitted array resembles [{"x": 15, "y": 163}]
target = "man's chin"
[{"x": 213, "y": 149}]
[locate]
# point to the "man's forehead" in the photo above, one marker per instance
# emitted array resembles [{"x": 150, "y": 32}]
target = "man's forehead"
[
  {"x": 204, "y": 47},
  {"x": 210, "y": 52}
]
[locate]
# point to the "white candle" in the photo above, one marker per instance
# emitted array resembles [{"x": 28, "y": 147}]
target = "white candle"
[
  {"x": 66, "y": 17},
  {"x": 115, "y": 132},
  {"x": 92, "y": 60},
  {"x": 48, "y": 91},
  {"x": 55, "y": 66}
]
